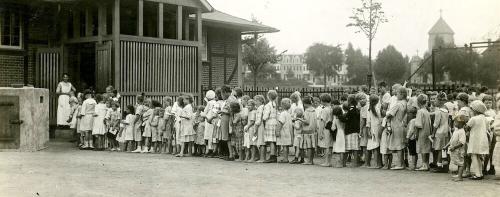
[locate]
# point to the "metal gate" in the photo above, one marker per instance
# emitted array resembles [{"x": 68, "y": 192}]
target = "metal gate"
[
  {"x": 9, "y": 122},
  {"x": 48, "y": 73},
  {"x": 103, "y": 66}
]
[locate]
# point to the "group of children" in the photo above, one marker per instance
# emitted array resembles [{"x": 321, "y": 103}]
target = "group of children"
[{"x": 377, "y": 130}]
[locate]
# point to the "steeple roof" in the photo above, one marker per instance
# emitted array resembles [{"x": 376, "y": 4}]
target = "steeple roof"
[{"x": 441, "y": 27}]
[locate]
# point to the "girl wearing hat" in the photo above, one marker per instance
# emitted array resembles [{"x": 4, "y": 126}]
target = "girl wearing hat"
[
  {"x": 478, "y": 146},
  {"x": 209, "y": 127},
  {"x": 441, "y": 128}
]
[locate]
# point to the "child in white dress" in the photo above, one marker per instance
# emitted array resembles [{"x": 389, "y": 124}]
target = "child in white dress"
[
  {"x": 285, "y": 129},
  {"x": 128, "y": 132},
  {"x": 374, "y": 125},
  {"x": 87, "y": 119},
  {"x": 99, "y": 126}
]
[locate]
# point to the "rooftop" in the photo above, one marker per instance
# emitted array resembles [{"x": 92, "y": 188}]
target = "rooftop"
[
  {"x": 441, "y": 27},
  {"x": 245, "y": 26}
]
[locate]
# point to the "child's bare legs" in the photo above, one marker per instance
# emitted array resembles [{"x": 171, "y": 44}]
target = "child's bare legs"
[
  {"x": 253, "y": 150},
  {"x": 328, "y": 157},
  {"x": 90, "y": 139},
  {"x": 342, "y": 160},
  {"x": 147, "y": 144},
  {"x": 241, "y": 153},
  {"x": 190, "y": 150},
  {"x": 364, "y": 155},
  {"x": 368, "y": 158},
  {"x": 285, "y": 153},
  {"x": 262, "y": 151},
  {"x": 355, "y": 158},
  {"x": 377, "y": 156},
  {"x": 272, "y": 157},
  {"x": 459, "y": 175},
  {"x": 388, "y": 161},
  {"x": 247, "y": 154},
  {"x": 231, "y": 150},
  {"x": 181, "y": 153},
  {"x": 400, "y": 165},
  {"x": 310, "y": 156}
]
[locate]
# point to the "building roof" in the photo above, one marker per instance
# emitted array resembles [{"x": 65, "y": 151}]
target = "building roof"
[
  {"x": 441, "y": 27},
  {"x": 218, "y": 18},
  {"x": 205, "y": 5}
]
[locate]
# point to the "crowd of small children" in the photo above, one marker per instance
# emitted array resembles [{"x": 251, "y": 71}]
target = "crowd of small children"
[{"x": 455, "y": 132}]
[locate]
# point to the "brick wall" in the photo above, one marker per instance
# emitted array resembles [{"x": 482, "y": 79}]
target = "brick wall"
[
  {"x": 11, "y": 69},
  {"x": 222, "y": 54}
]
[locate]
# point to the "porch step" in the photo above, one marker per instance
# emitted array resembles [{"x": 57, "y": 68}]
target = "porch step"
[{"x": 66, "y": 134}]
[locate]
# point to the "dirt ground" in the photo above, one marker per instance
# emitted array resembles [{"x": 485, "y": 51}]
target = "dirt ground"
[{"x": 62, "y": 170}]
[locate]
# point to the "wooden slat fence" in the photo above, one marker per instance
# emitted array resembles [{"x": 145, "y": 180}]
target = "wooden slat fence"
[
  {"x": 48, "y": 70},
  {"x": 157, "y": 69}
]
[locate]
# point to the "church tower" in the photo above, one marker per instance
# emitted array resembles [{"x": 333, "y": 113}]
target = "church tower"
[{"x": 443, "y": 30}]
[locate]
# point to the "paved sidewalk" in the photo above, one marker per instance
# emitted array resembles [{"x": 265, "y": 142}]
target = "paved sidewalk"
[{"x": 62, "y": 170}]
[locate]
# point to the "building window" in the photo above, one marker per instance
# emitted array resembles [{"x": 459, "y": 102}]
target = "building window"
[
  {"x": 128, "y": 17},
  {"x": 169, "y": 21},
  {"x": 10, "y": 30},
  {"x": 150, "y": 19}
]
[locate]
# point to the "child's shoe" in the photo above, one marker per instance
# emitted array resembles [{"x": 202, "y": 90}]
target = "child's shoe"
[
  {"x": 272, "y": 159},
  {"x": 138, "y": 150},
  {"x": 295, "y": 161}
]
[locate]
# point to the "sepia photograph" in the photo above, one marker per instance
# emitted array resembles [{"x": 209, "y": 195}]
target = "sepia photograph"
[{"x": 209, "y": 98}]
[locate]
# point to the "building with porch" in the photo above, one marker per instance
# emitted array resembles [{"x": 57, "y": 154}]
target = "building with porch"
[{"x": 159, "y": 47}]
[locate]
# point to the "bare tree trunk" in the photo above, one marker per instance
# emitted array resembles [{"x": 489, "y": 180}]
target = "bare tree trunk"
[
  {"x": 324, "y": 79},
  {"x": 255, "y": 80}
]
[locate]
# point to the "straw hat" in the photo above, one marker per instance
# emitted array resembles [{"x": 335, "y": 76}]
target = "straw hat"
[{"x": 478, "y": 106}]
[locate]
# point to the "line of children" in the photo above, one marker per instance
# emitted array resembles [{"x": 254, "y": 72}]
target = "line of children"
[{"x": 364, "y": 129}]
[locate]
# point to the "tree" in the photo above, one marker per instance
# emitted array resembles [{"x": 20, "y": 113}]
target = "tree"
[
  {"x": 258, "y": 54},
  {"x": 489, "y": 67},
  {"x": 390, "y": 65},
  {"x": 367, "y": 19},
  {"x": 356, "y": 65},
  {"x": 324, "y": 59}
]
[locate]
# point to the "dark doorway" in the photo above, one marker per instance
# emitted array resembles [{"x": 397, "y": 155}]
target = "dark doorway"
[{"x": 81, "y": 65}]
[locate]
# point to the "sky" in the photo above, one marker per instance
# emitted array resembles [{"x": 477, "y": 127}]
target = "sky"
[{"x": 304, "y": 22}]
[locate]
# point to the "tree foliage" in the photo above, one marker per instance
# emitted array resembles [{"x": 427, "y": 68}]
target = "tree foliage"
[
  {"x": 489, "y": 67},
  {"x": 368, "y": 18},
  {"x": 458, "y": 63},
  {"x": 357, "y": 65},
  {"x": 258, "y": 54},
  {"x": 391, "y": 66},
  {"x": 324, "y": 59}
]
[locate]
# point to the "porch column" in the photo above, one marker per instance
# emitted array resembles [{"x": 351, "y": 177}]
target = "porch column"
[
  {"x": 160, "y": 20},
  {"x": 102, "y": 21},
  {"x": 140, "y": 18},
  {"x": 199, "y": 38},
  {"x": 179, "y": 22},
  {"x": 240, "y": 62},
  {"x": 116, "y": 42},
  {"x": 186, "y": 26}
]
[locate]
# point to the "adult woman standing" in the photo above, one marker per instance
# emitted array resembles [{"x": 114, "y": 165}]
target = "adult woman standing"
[{"x": 63, "y": 108}]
